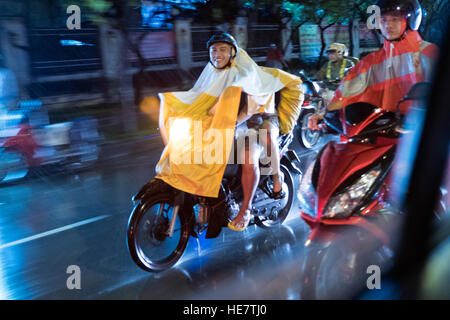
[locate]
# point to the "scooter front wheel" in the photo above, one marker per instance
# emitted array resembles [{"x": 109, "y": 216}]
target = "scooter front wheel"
[
  {"x": 312, "y": 260},
  {"x": 149, "y": 242},
  {"x": 339, "y": 271}
]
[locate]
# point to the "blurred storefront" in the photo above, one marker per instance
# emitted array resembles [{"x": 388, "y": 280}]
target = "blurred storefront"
[
  {"x": 364, "y": 40},
  {"x": 82, "y": 66}
]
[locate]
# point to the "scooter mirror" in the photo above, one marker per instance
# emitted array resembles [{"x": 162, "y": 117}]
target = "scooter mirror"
[{"x": 418, "y": 91}]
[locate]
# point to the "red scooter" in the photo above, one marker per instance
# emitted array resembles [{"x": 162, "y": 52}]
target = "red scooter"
[{"x": 343, "y": 198}]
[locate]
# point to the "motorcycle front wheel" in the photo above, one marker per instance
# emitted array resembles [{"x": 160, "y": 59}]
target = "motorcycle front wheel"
[
  {"x": 307, "y": 138},
  {"x": 149, "y": 243}
]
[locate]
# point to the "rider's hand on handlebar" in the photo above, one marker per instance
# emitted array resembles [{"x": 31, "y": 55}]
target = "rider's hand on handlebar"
[{"x": 313, "y": 122}]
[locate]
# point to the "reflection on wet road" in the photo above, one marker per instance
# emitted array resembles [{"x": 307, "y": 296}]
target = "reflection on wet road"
[{"x": 51, "y": 222}]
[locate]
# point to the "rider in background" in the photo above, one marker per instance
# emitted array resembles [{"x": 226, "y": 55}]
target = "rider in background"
[
  {"x": 337, "y": 66},
  {"x": 383, "y": 77}
]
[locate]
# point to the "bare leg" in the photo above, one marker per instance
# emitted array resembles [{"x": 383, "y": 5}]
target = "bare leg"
[
  {"x": 250, "y": 179},
  {"x": 271, "y": 141}
]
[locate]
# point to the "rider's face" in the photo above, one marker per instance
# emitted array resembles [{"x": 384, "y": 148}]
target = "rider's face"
[
  {"x": 333, "y": 56},
  {"x": 220, "y": 54},
  {"x": 392, "y": 26}
]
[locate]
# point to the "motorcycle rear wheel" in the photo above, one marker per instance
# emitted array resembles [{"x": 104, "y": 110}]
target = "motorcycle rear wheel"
[
  {"x": 288, "y": 187},
  {"x": 148, "y": 242}
]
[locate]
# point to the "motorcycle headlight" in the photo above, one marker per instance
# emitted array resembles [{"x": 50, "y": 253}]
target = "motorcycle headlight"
[
  {"x": 180, "y": 130},
  {"x": 341, "y": 205},
  {"x": 306, "y": 193}
]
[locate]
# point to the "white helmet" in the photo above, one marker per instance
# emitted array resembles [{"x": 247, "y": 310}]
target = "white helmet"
[{"x": 337, "y": 47}]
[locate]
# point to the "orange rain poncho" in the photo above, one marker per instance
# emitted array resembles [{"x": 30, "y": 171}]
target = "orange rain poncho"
[
  {"x": 200, "y": 123},
  {"x": 385, "y": 76}
]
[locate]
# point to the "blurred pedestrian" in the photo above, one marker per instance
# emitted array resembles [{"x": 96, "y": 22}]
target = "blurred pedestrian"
[
  {"x": 9, "y": 91},
  {"x": 274, "y": 58}
]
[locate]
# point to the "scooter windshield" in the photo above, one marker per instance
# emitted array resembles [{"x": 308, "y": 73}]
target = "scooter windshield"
[
  {"x": 358, "y": 112},
  {"x": 362, "y": 119}
]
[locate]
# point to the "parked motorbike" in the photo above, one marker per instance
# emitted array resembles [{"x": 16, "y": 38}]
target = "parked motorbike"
[
  {"x": 343, "y": 198},
  {"x": 28, "y": 140},
  {"x": 164, "y": 218}
]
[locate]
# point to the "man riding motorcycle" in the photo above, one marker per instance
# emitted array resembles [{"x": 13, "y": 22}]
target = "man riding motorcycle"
[
  {"x": 338, "y": 65},
  {"x": 382, "y": 78},
  {"x": 246, "y": 94}
]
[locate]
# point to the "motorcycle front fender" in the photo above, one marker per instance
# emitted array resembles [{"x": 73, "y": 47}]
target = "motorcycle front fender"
[{"x": 154, "y": 186}]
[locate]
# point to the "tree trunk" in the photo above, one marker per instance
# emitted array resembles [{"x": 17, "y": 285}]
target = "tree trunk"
[
  {"x": 322, "y": 48},
  {"x": 126, "y": 91},
  {"x": 323, "y": 43}
]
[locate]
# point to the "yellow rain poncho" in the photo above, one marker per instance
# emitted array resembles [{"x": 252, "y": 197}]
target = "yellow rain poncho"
[{"x": 199, "y": 124}]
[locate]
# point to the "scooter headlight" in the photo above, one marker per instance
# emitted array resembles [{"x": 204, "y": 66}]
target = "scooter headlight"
[
  {"x": 341, "y": 205},
  {"x": 306, "y": 193}
]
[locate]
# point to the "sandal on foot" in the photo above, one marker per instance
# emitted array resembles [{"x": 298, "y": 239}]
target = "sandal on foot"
[
  {"x": 240, "y": 223},
  {"x": 277, "y": 195}
]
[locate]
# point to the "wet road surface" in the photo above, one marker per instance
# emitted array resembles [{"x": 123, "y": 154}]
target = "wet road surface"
[{"x": 51, "y": 222}]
